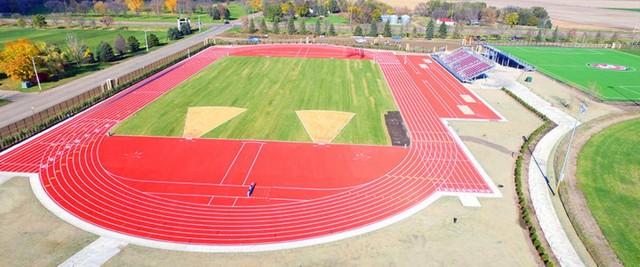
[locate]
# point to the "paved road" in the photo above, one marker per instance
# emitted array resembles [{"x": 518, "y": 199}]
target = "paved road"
[{"x": 23, "y": 102}]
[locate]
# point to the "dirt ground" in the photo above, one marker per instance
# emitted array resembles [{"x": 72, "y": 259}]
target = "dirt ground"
[
  {"x": 201, "y": 120},
  {"x": 568, "y": 13},
  {"x": 324, "y": 125},
  {"x": 29, "y": 234}
]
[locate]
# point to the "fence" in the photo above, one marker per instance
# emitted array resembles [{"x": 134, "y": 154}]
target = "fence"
[{"x": 31, "y": 125}]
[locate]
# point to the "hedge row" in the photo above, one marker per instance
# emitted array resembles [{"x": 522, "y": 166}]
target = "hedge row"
[
  {"x": 75, "y": 109},
  {"x": 524, "y": 205}
]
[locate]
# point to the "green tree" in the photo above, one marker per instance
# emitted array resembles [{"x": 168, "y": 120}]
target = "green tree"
[
  {"x": 387, "y": 29},
  {"x": 276, "y": 27},
  {"x": 442, "y": 31},
  {"x": 173, "y": 33},
  {"x": 357, "y": 31},
  {"x": 291, "y": 27},
  {"x": 555, "y": 35},
  {"x": 185, "y": 29},
  {"x": 54, "y": 59},
  {"x": 153, "y": 40},
  {"x": 318, "y": 28},
  {"x": 511, "y": 19},
  {"x": 215, "y": 13},
  {"x": 373, "y": 30},
  {"x": 21, "y": 23},
  {"x": 457, "y": 30},
  {"x": 303, "y": 27},
  {"x": 104, "y": 52},
  {"x": 263, "y": 26},
  {"x": 599, "y": 37},
  {"x": 431, "y": 27},
  {"x": 252, "y": 26},
  {"x": 133, "y": 44},
  {"x": 415, "y": 32},
  {"x": 39, "y": 21},
  {"x": 539, "y": 36},
  {"x": 614, "y": 37},
  {"x": 548, "y": 24},
  {"x": 332, "y": 30}
]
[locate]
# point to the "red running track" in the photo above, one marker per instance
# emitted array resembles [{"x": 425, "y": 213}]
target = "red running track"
[{"x": 194, "y": 191}]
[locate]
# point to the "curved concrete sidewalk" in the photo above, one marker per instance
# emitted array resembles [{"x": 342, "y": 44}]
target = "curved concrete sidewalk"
[{"x": 538, "y": 188}]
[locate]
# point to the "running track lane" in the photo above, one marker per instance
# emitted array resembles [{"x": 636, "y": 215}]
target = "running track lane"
[{"x": 339, "y": 188}]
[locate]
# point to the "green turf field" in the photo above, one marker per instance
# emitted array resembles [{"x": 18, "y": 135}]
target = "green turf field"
[
  {"x": 570, "y": 65},
  {"x": 609, "y": 175},
  {"x": 272, "y": 89}
]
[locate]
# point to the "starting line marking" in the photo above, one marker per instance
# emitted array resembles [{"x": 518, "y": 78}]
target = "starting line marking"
[
  {"x": 466, "y": 110},
  {"x": 468, "y": 98}
]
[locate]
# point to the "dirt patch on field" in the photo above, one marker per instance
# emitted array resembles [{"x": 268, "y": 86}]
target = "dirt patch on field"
[
  {"x": 324, "y": 125},
  {"x": 397, "y": 130},
  {"x": 201, "y": 120},
  {"x": 30, "y": 235}
]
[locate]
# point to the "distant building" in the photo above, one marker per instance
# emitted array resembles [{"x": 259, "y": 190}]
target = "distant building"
[
  {"x": 405, "y": 19},
  {"x": 393, "y": 19},
  {"x": 447, "y": 21}
]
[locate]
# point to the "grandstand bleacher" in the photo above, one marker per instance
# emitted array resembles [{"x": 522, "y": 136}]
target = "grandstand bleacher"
[
  {"x": 465, "y": 64},
  {"x": 506, "y": 59}
]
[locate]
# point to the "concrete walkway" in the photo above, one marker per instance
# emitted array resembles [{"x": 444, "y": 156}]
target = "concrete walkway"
[
  {"x": 537, "y": 179},
  {"x": 96, "y": 253},
  {"x": 23, "y": 102}
]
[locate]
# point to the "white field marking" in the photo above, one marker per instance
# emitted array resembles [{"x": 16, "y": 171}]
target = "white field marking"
[
  {"x": 469, "y": 201},
  {"x": 96, "y": 253},
  {"x": 468, "y": 98},
  {"x": 232, "y": 163},
  {"x": 428, "y": 61},
  {"x": 252, "y": 163},
  {"x": 466, "y": 110},
  {"x": 209, "y": 204},
  {"x": 424, "y": 66}
]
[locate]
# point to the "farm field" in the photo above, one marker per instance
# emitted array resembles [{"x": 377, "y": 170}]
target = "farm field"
[
  {"x": 608, "y": 174},
  {"x": 272, "y": 90},
  {"x": 575, "y": 66}
]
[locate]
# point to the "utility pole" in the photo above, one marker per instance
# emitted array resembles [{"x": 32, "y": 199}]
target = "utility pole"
[
  {"x": 36, "y": 71},
  {"x": 146, "y": 41},
  {"x": 583, "y": 108}
]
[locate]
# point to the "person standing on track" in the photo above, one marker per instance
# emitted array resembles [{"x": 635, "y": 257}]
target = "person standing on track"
[{"x": 251, "y": 187}]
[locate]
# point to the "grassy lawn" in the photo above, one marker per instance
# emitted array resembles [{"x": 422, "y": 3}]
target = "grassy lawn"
[
  {"x": 59, "y": 36},
  {"x": 272, "y": 89},
  {"x": 626, "y": 9},
  {"x": 609, "y": 176},
  {"x": 4, "y": 102},
  {"x": 632, "y": 51},
  {"x": 571, "y": 65}
]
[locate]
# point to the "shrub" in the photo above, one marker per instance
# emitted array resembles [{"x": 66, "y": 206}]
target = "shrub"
[{"x": 173, "y": 33}]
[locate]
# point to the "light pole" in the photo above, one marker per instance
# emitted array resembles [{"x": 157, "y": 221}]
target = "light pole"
[
  {"x": 199, "y": 28},
  {"x": 36, "y": 71},
  {"x": 146, "y": 42},
  {"x": 583, "y": 108}
]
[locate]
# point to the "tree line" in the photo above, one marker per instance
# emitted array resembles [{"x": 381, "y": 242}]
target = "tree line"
[{"x": 17, "y": 58}]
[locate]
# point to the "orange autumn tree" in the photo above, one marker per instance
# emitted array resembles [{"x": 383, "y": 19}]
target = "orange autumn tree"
[
  {"x": 171, "y": 5},
  {"x": 15, "y": 59},
  {"x": 134, "y": 5}
]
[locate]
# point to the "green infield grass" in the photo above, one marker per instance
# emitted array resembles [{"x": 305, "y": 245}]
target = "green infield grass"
[
  {"x": 626, "y": 9},
  {"x": 272, "y": 89},
  {"x": 609, "y": 175},
  {"x": 4, "y": 102},
  {"x": 571, "y": 66}
]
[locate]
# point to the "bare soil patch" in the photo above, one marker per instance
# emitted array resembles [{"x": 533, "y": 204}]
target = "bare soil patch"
[
  {"x": 31, "y": 235},
  {"x": 201, "y": 120},
  {"x": 324, "y": 125},
  {"x": 397, "y": 130}
]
